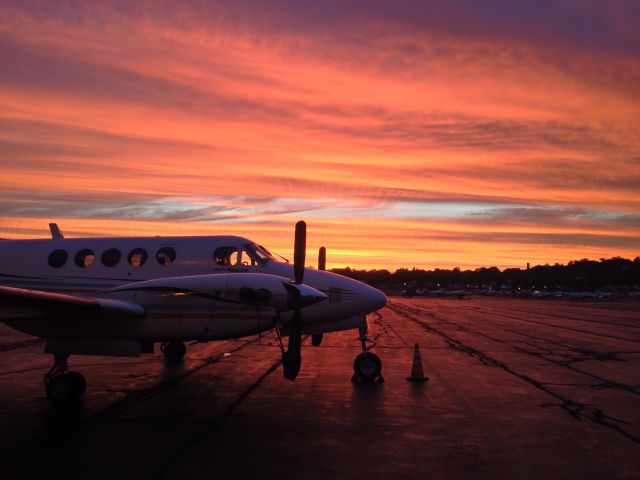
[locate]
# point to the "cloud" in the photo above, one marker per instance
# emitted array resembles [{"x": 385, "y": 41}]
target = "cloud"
[
  {"x": 431, "y": 129},
  {"x": 541, "y": 239},
  {"x": 578, "y": 23},
  {"x": 554, "y": 217}
]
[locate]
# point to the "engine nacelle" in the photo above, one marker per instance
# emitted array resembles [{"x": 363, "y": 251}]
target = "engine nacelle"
[{"x": 211, "y": 307}]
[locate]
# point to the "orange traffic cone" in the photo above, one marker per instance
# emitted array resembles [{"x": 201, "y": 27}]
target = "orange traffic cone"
[{"x": 417, "y": 375}]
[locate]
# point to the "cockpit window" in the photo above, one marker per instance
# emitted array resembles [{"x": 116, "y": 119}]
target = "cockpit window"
[
  {"x": 84, "y": 258},
  {"x": 166, "y": 256},
  {"x": 257, "y": 254},
  {"x": 248, "y": 259},
  {"x": 226, "y": 256}
]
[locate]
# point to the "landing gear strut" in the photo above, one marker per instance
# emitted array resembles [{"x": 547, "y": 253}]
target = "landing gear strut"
[
  {"x": 173, "y": 351},
  {"x": 367, "y": 366},
  {"x": 61, "y": 385}
]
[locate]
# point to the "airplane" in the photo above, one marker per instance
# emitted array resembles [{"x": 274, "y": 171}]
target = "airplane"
[{"x": 119, "y": 296}]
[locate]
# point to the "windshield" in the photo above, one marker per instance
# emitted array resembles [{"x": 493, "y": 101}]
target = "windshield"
[{"x": 259, "y": 254}]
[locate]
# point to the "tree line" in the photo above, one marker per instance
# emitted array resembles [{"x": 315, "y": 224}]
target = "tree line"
[{"x": 577, "y": 275}]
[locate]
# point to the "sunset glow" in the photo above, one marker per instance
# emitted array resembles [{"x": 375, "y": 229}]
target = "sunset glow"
[{"x": 426, "y": 134}]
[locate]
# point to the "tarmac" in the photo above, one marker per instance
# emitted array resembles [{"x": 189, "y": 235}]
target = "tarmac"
[{"x": 517, "y": 389}]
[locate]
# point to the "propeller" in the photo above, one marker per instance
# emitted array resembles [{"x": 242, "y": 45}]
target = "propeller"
[
  {"x": 316, "y": 338},
  {"x": 291, "y": 359},
  {"x": 322, "y": 258},
  {"x": 299, "y": 251}
]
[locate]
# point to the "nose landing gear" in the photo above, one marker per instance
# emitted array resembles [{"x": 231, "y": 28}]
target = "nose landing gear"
[
  {"x": 62, "y": 386},
  {"x": 367, "y": 366}
]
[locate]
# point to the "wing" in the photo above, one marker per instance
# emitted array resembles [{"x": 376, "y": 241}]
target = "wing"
[{"x": 19, "y": 303}]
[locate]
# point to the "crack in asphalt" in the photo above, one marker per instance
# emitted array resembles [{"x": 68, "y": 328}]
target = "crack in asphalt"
[
  {"x": 579, "y": 411},
  {"x": 68, "y": 426},
  {"x": 5, "y": 347},
  {"x": 586, "y": 355},
  {"x": 522, "y": 467},
  {"x": 562, "y": 327},
  {"x": 567, "y": 317},
  {"x": 213, "y": 424}
]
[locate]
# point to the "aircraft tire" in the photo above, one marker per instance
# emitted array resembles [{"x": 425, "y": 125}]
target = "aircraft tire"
[
  {"x": 174, "y": 351},
  {"x": 65, "y": 388},
  {"x": 78, "y": 383},
  {"x": 367, "y": 366}
]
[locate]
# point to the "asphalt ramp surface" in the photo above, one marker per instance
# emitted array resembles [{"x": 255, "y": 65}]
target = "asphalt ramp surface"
[{"x": 518, "y": 389}]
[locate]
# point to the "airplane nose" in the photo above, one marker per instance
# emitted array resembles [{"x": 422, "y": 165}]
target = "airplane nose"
[{"x": 374, "y": 299}]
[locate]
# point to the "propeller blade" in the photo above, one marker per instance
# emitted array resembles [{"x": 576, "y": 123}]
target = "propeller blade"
[
  {"x": 299, "y": 251},
  {"x": 291, "y": 359},
  {"x": 322, "y": 259},
  {"x": 291, "y": 364}
]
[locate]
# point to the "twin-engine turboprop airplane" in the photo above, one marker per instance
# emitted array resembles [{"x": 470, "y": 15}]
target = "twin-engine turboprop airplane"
[{"x": 119, "y": 296}]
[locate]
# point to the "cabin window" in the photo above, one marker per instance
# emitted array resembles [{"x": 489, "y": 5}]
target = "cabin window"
[
  {"x": 84, "y": 258},
  {"x": 137, "y": 257},
  {"x": 111, "y": 257},
  {"x": 58, "y": 258},
  {"x": 166, "y": 256},
  {"x": 226, "y": 256}
]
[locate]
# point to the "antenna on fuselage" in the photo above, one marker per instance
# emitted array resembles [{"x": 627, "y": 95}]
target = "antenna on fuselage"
[
  {"x": 316, "y": 338},
  {"x": 55, "y": 231}
]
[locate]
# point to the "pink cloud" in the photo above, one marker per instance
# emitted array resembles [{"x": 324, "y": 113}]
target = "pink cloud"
[{"x": 194, "y": 112}]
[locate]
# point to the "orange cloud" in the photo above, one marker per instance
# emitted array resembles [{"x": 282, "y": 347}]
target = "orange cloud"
[{"x": 403, "y": 141}]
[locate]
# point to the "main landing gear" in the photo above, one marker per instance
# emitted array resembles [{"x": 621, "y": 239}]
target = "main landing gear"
[
  {"x": 367, "y": 366},
  {"x": 173, "y": 351},
  {"x": 61, "y": 385}
]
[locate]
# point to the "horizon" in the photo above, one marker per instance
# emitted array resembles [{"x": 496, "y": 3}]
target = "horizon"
[
  {"x": 311, "y": 255},
  {"x": 419, "y": 134}
]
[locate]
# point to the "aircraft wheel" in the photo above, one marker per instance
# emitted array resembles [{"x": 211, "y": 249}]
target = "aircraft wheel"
[
  {"x": 367, "y": 366},
  {"x": 78, "y": 383},
  {"x": 174, "y": 351},
  {"x": 65, "y": 388},
  {"x": 316, "y": 339}
]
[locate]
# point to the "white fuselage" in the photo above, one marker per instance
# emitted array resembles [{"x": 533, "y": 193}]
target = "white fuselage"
[{"x": 119, "y": 268}]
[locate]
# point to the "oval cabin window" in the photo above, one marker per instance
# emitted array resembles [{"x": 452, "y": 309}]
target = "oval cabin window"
[
  {"x": 84, "y": 258},
  {"x": 166, "y": 256},
  {"x": 111, "y": 257},
  {"x": 58, "y": 258},
  {"x": 137, "y": 257}
]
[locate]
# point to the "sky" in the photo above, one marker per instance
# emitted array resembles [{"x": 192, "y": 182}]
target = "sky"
[{"x": 427, "y": 134}]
